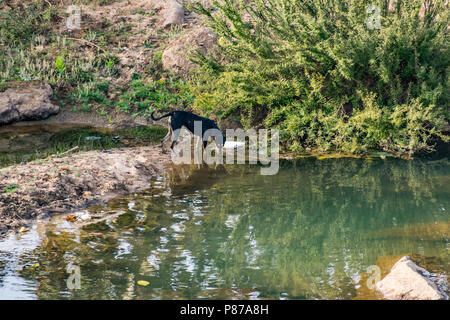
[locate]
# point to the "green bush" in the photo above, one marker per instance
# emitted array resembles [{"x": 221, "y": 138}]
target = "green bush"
[
  {"x": 146, "y": 95},
  {"x": 316, "y": 71}
]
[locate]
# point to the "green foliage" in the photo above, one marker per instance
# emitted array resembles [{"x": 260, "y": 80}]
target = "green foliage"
[
  {"x": 82, "y": 68},
  {"x": 145, "y": 95},
  {"x": 60, "y": 64},
  {"x": 12, "y": 188},
  {"x": 91, "y": 92},
  {"x": 25, "y": 21},
  {"x": 314, "y": 70}
]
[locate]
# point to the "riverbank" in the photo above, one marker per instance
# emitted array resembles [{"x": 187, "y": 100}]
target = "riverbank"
[{"x": 43, "y": 188}]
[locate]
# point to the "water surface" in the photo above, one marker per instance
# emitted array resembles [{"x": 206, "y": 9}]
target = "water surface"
[
  {"x": 24, "y": 143},
  {"x": 309, "y": 232}
]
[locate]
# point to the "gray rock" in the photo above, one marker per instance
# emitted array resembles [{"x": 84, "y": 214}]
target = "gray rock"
[
  {"x": 29, "y": 103},
  {"x": 173, "y": 14},
  {"x": 407, "y": 281}
]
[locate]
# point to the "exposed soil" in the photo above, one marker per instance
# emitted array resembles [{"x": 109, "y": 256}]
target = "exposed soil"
[
  {"x": 44, "y": 188},
  {"x": 143, "y": 23}
]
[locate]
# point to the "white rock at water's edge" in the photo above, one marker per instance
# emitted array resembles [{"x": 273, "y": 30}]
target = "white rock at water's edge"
[{"x": 408, "y": 281}]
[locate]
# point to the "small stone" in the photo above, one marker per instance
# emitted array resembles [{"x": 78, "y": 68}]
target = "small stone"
[{"x": 85, "y": 217}]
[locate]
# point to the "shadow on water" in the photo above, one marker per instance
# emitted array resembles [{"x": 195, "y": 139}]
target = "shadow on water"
[{"x": 309, "y": 232}]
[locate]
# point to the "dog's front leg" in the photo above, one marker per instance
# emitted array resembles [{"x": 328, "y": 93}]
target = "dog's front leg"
[
  {"x": 167, "y": 137},
  {"x": 175, "y": 135}
]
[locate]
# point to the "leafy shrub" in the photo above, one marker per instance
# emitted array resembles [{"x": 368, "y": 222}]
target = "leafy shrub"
[
  {"x": 315, "y": 70},
  {"x": 147, "y": 95},
  {"x": 90, "y": 92}
]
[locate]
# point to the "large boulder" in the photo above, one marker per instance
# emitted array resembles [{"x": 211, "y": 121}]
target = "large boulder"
[
  {"x": 176, "y": 56},
  {"x": 29, "y": 103},
  {"x": 408, "y": 281}
]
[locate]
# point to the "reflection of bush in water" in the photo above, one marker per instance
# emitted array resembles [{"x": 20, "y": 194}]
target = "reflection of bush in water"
[
  {"x": 316, "y": 205},
  {"x": 188, "y": 178},
  {"x": 310, "y": 207}
]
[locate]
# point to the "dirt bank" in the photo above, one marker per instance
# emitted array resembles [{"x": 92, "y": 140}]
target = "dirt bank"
[{"x": 44, "y": 188}]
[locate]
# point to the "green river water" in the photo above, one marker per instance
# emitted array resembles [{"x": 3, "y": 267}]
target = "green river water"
[{"x": 309, "y": 232}]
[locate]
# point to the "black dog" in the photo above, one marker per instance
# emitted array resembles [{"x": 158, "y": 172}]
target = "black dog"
[{"x": 179, "y": 119}]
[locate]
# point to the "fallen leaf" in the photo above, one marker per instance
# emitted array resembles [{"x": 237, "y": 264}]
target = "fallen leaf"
[
  {"x": 97, "y": 234},
  {"x": 71, "y": 217},
  {"x": 143, "y": 283}
]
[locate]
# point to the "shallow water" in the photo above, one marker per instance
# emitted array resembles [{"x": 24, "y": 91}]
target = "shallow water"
[
  {"x": 309, "y": 232},
  {"x": 24, "y": 143}
]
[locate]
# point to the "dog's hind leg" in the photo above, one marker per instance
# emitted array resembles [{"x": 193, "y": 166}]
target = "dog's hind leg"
[{"x": 167, "y": 137}]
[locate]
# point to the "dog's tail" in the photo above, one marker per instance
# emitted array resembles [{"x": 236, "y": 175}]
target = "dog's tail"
[{"x": 164, "y": 116}]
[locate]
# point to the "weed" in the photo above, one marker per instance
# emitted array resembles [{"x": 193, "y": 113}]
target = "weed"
[{"x": 12, "y": 188}]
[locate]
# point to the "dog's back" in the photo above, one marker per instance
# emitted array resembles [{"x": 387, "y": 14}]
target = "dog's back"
[{"x": 188, "y": 119}]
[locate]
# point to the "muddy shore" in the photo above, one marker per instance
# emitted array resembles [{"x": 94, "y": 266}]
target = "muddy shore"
[{"x": 44, "y": 188}]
